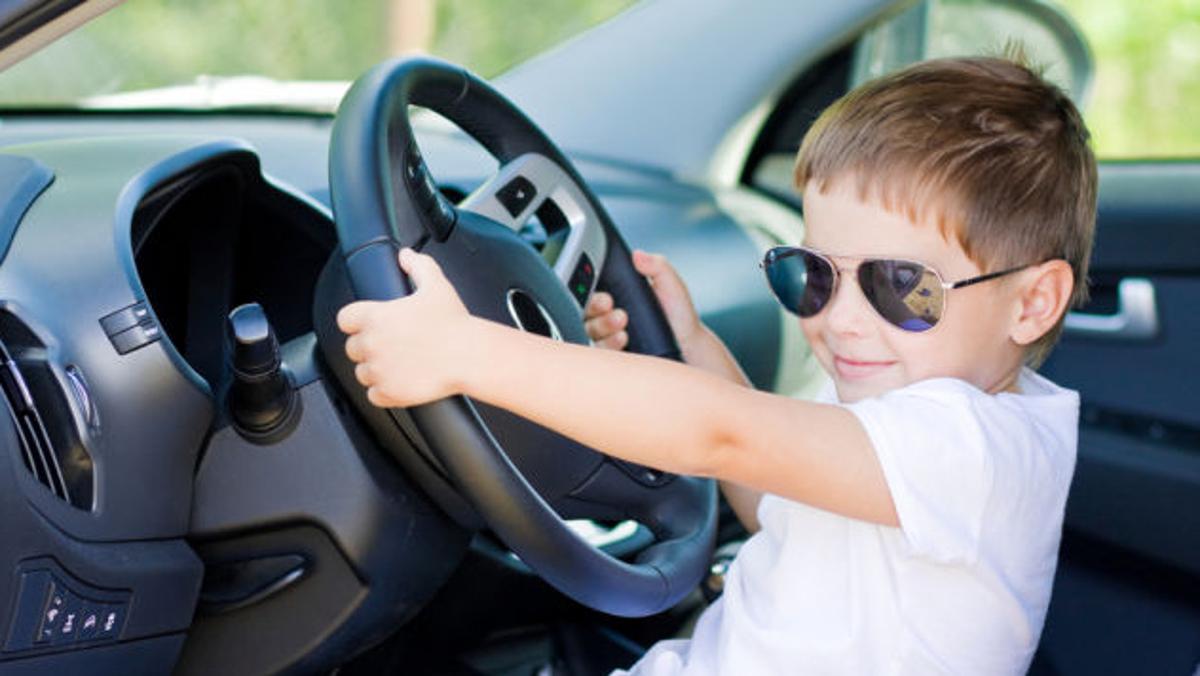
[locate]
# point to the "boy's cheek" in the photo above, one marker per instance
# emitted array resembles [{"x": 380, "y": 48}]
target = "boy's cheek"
[{"x": 811, "y": 329}]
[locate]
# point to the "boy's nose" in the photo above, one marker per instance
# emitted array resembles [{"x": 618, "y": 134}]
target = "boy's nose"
[{"x": 848, "y": 312}]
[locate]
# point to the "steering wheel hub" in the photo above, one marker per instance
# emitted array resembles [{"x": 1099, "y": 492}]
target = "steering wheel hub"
[{"x": 530, "y": 315}]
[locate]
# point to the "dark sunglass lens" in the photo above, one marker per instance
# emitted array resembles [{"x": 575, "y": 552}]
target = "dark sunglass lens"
[
  {"x": 907, "y": 295},
  {"x": 802, "y": 281}
]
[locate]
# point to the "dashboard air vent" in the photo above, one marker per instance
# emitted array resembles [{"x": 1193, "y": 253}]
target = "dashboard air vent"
[
  {"x": 51, "y": 435},
  {"x": 36, "y": 448}
]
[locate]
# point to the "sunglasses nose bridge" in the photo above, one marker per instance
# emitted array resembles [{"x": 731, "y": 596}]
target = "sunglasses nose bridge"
[{"x": 848, "y": 311}]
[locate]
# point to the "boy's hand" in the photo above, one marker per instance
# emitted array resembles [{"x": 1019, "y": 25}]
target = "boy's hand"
[
  {"x": 410, "y": 350},
  {"x": 606, "y": 323}
]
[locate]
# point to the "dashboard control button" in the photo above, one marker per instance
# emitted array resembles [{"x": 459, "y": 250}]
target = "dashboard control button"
[
  {"x": 53, "y": 614},
  {"x": 142, "y": 334},
  {"x": 90, "y": 618},
  {"x": 67, "y": 630},
  {"x": 111, "y": 621},
  {"x": 124, "y": 319},
  {"x": 54, "y": 609}
]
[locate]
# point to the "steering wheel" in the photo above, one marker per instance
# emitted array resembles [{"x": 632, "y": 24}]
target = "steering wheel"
[{"x": 523, "y": 480}]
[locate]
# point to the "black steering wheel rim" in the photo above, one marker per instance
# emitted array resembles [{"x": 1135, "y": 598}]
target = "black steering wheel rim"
[{"x": 384, "y": 198}]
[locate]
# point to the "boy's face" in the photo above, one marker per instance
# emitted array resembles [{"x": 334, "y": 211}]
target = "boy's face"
[{"x": 863, "y": 353}]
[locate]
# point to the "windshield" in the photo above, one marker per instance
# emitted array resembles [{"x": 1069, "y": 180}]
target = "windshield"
[{"x": 256, "y": 53}]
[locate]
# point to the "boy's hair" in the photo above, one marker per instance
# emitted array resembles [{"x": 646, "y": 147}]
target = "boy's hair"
[{"x": 997, "y": 156}]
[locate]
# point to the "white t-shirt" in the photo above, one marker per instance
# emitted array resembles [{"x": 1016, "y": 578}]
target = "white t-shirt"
[{"x": 979, "y": 482}]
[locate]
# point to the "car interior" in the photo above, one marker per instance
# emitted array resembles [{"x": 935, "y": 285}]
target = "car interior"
[{"x": 192, "y": 482}]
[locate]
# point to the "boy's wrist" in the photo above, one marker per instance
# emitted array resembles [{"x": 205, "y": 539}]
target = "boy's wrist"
[{"x": 467, "y": 355}]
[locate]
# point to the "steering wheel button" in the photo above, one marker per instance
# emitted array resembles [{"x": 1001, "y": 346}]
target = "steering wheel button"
[
  {"x": 581, "y": 280},
  {"x": 647, "y": 476},
  {"x": 516, "y": 195}
]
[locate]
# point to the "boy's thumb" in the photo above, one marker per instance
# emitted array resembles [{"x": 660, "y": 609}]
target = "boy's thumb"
[
  {"x": 666, "y": 282},
  {"x": 420, "y": 268}
]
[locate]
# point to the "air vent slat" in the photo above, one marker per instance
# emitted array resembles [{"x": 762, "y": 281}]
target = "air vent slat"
[
  {"x": 54, "y": 476},
  {"x": 29, "y": 440},
  {"x": 38, "y": 452},
  {"x": 26, "y": 451},
  {"x": 14, "y": 385}
]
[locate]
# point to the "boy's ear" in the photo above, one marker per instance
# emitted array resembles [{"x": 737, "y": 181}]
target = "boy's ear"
[{"x": 1045, "y": 291}]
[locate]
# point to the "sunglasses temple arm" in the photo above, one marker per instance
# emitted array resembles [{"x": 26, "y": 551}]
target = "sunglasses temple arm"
[{"x": 983, "y": 278}]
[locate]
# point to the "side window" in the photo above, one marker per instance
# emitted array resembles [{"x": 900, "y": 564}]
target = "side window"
[
  {"x": 769, "y": 166},
  {"x": 941, "y": 28},
  {"x": 1133, "y": 69},
  {"x": 927, "y": 29}
]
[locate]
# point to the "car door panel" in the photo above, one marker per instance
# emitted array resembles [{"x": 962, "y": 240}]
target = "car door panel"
[
  {"x": 1139, "y": 414},
  {"x": 1127, "y": 593}
]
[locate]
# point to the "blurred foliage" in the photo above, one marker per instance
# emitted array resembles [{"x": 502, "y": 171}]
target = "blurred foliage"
[
  {"x": 1146, "y": 93},
  {"x": 153, "y": 43},
  {"x": 492, "y": 36},
  {"x": 1144, "y": 100}
]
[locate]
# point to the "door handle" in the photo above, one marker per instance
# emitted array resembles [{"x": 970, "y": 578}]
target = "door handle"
[{"x": 1136, "y": 317}]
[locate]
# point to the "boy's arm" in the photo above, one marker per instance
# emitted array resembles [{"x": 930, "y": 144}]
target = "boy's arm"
[
  {"x": 709, "y": 353},
  {"x": 682, "y": 420},
  {"x": 639, "y": 408},
  {"x": 699, "y": 345}
]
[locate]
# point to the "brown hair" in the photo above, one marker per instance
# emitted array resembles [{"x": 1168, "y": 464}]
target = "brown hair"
[{"x": 997, "y": 156}]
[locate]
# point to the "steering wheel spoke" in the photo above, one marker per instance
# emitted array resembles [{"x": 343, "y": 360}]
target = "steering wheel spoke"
[
  {"x": 615, "y": 491},
  {"x": 534, "y": 196},
  {"x": 662, "y": 502}
]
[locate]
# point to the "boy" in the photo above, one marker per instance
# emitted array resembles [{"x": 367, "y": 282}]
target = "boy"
[{"x": 910, "y": 518}]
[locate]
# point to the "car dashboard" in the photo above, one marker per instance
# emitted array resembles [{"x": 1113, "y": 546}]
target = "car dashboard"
[{"x": 143, "y": 513}]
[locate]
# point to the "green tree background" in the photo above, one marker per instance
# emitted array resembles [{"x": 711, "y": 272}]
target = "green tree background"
[
  {"x": 152, "y": 43},
  {"x": 1146, "y": 94},
  {"x": 1144, "y": 102}
]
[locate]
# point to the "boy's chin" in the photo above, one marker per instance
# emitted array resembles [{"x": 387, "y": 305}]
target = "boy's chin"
[{"x": 856, "y": 390}]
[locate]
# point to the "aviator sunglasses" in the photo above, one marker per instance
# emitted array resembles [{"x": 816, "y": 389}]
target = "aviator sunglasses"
[{"x": 906, "y": 294}]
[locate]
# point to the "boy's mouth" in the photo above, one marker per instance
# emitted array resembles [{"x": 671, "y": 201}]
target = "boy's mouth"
[{"x": 854, "y": 369}]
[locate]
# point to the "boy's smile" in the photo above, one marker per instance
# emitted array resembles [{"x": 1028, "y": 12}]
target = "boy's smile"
[{"x": 863, "y": 353}]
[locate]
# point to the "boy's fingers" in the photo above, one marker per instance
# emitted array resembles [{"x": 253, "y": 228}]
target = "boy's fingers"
[
  {"x": 666, "y": 281},
  {"x": 647, "y": 263},
  {"x": 376, "y": 397},
  {"x": 595, "y": 330},
  {"x": 605, "y": 325},
  {"x": 420, "y": 268},
  {"x": 354, "y": 348},
  {"x": 362, "y": 373},
  {"x": 616, "y": 341},
  {"x": 616, "y": 320},
  {"x": 352, "y": 318},
  {"x": 600, "y": 303}
]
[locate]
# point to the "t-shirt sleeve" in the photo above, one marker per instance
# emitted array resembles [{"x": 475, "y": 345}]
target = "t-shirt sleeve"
[{"x": 932, "y": 447}]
